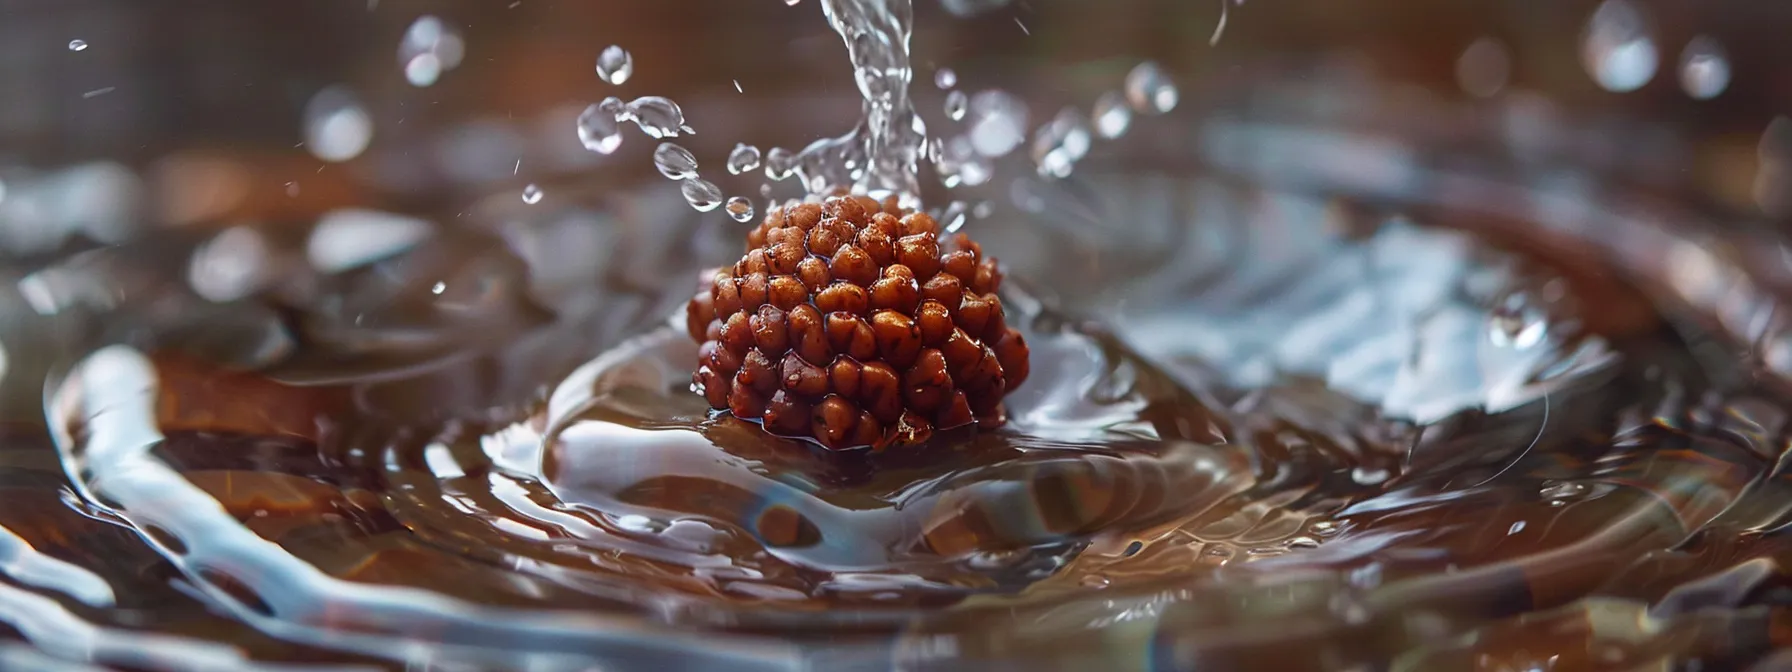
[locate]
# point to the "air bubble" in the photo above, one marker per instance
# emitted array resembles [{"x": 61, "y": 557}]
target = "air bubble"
[
  {"x": 956, "y": 102},
  {"x": 615, "y": 65},
  {"x": 1704, "y": 68},
  {"x": 532, "y": 194},
  {"x": 1617, "y": 48},
  {"x": 598, "y": 130},
  {"x": 1149, "y": 90},
  {"x": 702, "y": 194},
  {"x": 675, "y": 162},
  {"x": 1111, "y": 117},
  {"x": 744, "y": 159},
  {"x": 740, "y": 209}
]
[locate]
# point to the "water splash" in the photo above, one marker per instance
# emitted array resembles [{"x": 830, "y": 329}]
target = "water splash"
[{"x": 882, "y": 152}]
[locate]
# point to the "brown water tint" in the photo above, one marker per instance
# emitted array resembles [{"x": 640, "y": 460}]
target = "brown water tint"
[{"x": 1290, "y": 438}]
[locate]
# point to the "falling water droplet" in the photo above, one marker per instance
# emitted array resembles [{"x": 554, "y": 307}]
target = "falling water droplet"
[
  {"x": 77, "y": 45},
  {"x": 614, "y": 107},
  {"x": 945, "y": 78},
  {"x": 792, "y": 3},
  {"x": 960, "y": 165},
  {"x": 998, "y": 123},
  {"x": 953, "y": 217},
  {"x": 337, "y": 127},
  {"x": 744, "y": 158},
  {"x": 1058, "y": 145},
  {"x": 702, "y": 194},
  {"x": 1559, "y": 492},
  {"x": 675, "y": 162},
  {"x": 740, "y": 209},
  {"x": 1111, "y": 117},
  {"x": 615, "y": 65},
  {"x": 658, "y": 117},
  {"x": 983, "y": 210},
  {"x": 956, "y": 102},
  {"x": 1483, "y": 68},
  {"x": 779, "y": 162},
  {"x": 430, "y": 47},
  {"x": 1149, "y": 90},
  {"x": 531, "y": 194},
  {"x": 1617, "y": 47},
  {"x": 1704, "y": 68},
  {"x": 598, "y": 130}
]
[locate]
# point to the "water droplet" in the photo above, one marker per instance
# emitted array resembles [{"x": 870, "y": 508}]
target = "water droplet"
[
  {"x": 1517, "y": 325},
  {"x": 430, "y": 47},
  {"x": 615, "y": 65},
  {"x": 531, "y": 194},
  {"x": 779, "y": 162},
  {"x": 230, "y": 266},
  {"x": 744, "y": 158},
  {"x": 983, "y": 210},
  {"x": 959, "y": 164},
  {"x": 1324, "y": 528},
  {"x": 792, "y": 3},
  {"x": 658, "y": 117},
  {"x": 1301, "y": 543},
  {"x": 1560, "y": 491},
  {"x": 1704, "y": 68},
  {"x": 956, "y": 102},
  {"x": 703, "y": 195},
  {"x": 1094, "y": 581},
  {"x": 740, "y": 209},
  {"x": 292, "y": 189},
  {"x": 675, "y": 162},
  {"x": 1483, "y": 68},
  {"x": 1111, "y": 117},
  {"x": 77, "y": 45},
  {"x": 1367, "y": 475},
  {"x": 614, "y": 107},
  {"x": 945, "y": 78},
  {"x": 1149, "y": 90},
  {"x": 598, "y": 130},
  {"x": 337, "y": 127},
  {"x": 1058, "y": 145},
  {"x": 953, "y": 217},
  {"x": 998, "y": 123},
  {"x": 1617, "y": 48},
  {"x": 1515, "y": 528}
]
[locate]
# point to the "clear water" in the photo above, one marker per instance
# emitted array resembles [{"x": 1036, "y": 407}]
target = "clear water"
[{"x": 1303, "y": 397}]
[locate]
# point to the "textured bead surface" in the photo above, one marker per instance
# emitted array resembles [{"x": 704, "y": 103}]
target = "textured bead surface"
[{"x": 852, "y": 324}]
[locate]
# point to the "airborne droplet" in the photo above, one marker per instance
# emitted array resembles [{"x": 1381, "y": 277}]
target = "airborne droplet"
[
  {"x": 658, "y": 117},
  {"x": 703, "y": 195},
  {"x": 598, "y": 130},
  {"x": 532, "y": 194},
  {"x": 615, "y": 65},
  {"x": 740, "y": 209},
  {"x": 1149, "y": 90},
  {"x": 744, "y": 158},
  {"x": 675, "y": 162}
]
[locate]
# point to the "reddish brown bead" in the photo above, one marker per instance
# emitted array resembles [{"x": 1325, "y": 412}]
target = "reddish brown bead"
[
  {"x": 843, "y": 297},
  {"x": 787, "y": 414},
  {"x": 920, "y": 252},
  {"x": 898, "y": 339},
  {"x": 935, "y": 323},
  {"x": 850, "y": 335},
  {"x": 895, "y": 293},
  {"x": 814, "y": 274},
  {"x": 834, "y": 420},
  {"x": 787, "y": 292},
  {"x": 804, "y": 216},
  {"x": 770, "y": 333},
  {"x": 845, "y": 324}
]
